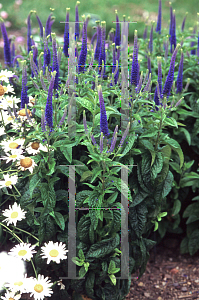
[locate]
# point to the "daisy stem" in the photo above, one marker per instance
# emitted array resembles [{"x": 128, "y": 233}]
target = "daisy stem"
[
  {"x": 14, "y": 194},
  {"x": 3, "y": 120},
  {"x": 34, "y": 268},
  {"x": 17, "y": 190},
  {"x": 16, "y": 236},
  {"x": 26, "y": 232}
]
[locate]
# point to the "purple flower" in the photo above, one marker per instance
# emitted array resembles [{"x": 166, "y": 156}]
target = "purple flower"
[
  {"x": 55, "y": 63},
  {"x": 98, "y": 44},
  {"x": 146, "y": 89},
  {"x": 102, "y": 55},
  {"x": 151, "y": 40},
  {"x": 124, "y": 136},
  {"x": 66, "y": 34},
  {"x": 170, "y": 76},
  {"x": 29, "y": 43},
  {"x": 83, "y": 52},
  {"x": 135, "y": 66},
  {"x": 173, "y": 32},
  {"x": 158, "y": 95},
  {"x": 117, "y": 33},
  {"x": 198, "y": 47},
  {"x": 24, "y": 96},
  {"x": 158, "y": 27},
  {"x": 103, "y": 117},
  {"x": 183, "y": 22},
  {"x": 47, "y": 54},
  {"x": 179, "y": 82},
  {"x": 7, "y": 52},
  {"x": 193, "y": 51},
  {"x": 47, "y": 28},
  {"x": 114, "y": 139},
  {"x": 77, "y": 21},
  {"x": 93, "y": 140},
  {"x": 149, "y": 63},
  {"x": 145, "y": 32},
  {"x": 63, "y": 117},
  {"x": 40, "y": 25},
  {"x": 171, "y": 21},
  {"x": 49, "y": 107}
]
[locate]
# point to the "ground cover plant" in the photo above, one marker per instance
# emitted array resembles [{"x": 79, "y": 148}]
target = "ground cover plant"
[{"x": 63, "y": 149}]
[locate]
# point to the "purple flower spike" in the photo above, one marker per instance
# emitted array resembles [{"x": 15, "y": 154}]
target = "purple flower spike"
[
  {"x": 170, "y": 76},
  {"x": 93, "y": 140},
  {"x": 193, "y": 51},
  {"x": 49, "y": 107},
  {"x": 29, "y": 43},
  {"x": 24, "y": 96},
  {"x": 171, "y": 21},
  {"x": 158, "y": 95},
  {"x": 66, "y": 34},
  {"x": 40, "y": 25},
  {"x": 98, "y": 44},
  {"x": 183, "y": 22},
  {"x": 77, "y": 21},
  {"x": 180, "y": 75},
  {"x": 55, "y": 63},
  {"x": 83, "y": 52},
  {"x": 7, "y": 52},
  {"x": 135, "y": 66},
  {"x": 158, "y": 27},
  {"x": 47, "y": 28},
  {"x": 102, "y": 55},
  {"x": 198, "y": 47},
  {"x": 145, "y": 32},
  {"x": 173, "y": 32},
  {"x": 103, "y": 117},
  {"x": 124, "y": 136},
  {"x": 117, "y": 33},
  {"x": 114, "y": 140}
]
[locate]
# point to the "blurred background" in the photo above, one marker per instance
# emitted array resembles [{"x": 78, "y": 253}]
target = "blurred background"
[{"x": 15, "y": 12}]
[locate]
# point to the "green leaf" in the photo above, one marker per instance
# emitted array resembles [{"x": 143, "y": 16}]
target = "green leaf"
[
  {"x": 82, "y": 272},
  {"x": 78, "y": 263},
  {"x": 112, "y": 198},
  {"x": 67, "y": 151},
  {"x": 176, "y": 147},
  {"x": 193, "y": 243},
  {"x": 113, "y": 278},
  {"x": 170, "y": 121},
  {"x": 184, "y": 246},
  {"x": 85, "y": 103},
  {"x": 167, "y": 184},
  {"x": 59, "y": 220},
  {"x": 81, "y": 255},
  {"x": 147, "y": 144},
  {"x": 149, "y": 133},
  {"x": 176, "y": 207},
  {"x": 156, "y": 226},
  {"x": 104, "y": 247},
  {"x": 51, "y": 165},
  {"x": 130, "y": 140},
  {"x": 33, "y": 183},
  {"x": 86, "y": 175}
]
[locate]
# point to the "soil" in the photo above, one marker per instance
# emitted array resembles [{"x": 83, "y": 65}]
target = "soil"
[{"x": 168, "y": 276}]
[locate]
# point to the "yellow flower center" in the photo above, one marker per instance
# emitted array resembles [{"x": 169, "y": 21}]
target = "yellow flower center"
[
  {"x": 38, "y": 288},
  {"x": 1, "y": 90},
  {"x": 19, "y": 283},
  {"x": 22, "y": 112},
  {"x": 13, "y": 145},
  {"x": 54, "y": 253},
  {"x": 26, "y": 162},
  {"x": 14, "y": 215},
  {"x": 5, "y": 89},
  {"x": 22, "y": 252},
  {"x": 13, "y": 156},
  {"x": 8, "y": 183},
  {"x": 35, "y": 145},
  {"x": 11, "y": 118},
  {"x": 11, "y": 299}
]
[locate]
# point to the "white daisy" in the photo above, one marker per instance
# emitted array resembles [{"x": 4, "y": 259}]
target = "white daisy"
[
  {"x": 5, "y": 74},
  {"x": 11, "y": 296},
  {"x": 31, "y": 101},
  {"x": 2, "y": 131},
  {"x": 23, "y": 251},
  {"x": 6, "y": 117},
  {"x": 40, "y": 288},
  {"x": 35, "y": 147},
  {"x": 8, "y": 89},
  {"x": 53, "y": 251},
  {"x": 26, "y": 163},
  {"x": 13, "y": 214},
  {"x": 11, "y": 268},
  {"x": 8, "y": 181},
  {"x": 16, "y": 155},
  {"x": 17, "y": 285},
  {"x": 10, "y": 100},
  {"x": 12, "y": 144}
]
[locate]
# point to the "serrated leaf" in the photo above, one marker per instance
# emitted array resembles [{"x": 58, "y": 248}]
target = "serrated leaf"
[
  {"x": 67, "y": 151},
  {"x": 85, "y": 103},
  {"x": 85, "y": 175},
  {"x": 33, "y": 183},
  {"x": 147, "y": 144}
]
